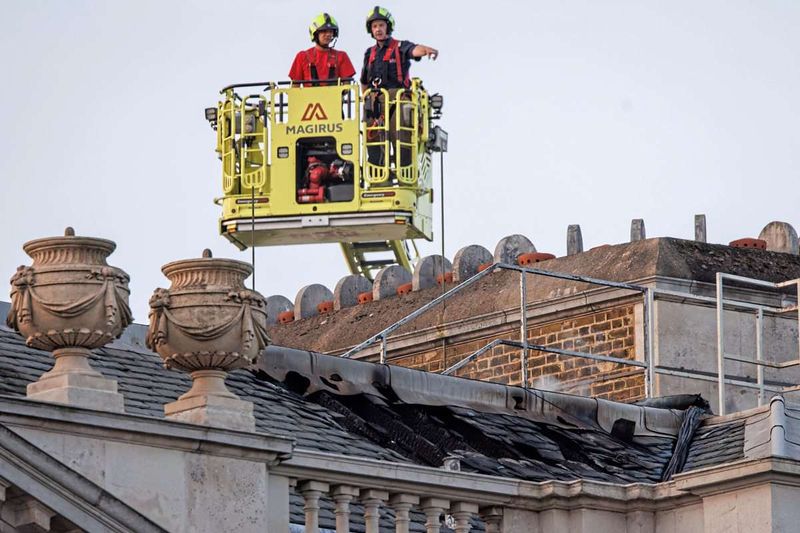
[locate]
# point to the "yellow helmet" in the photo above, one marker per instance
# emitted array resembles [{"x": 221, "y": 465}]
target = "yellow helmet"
[
  {"x": 323, "y": 21},
  {"x": 380, "y": 13}
]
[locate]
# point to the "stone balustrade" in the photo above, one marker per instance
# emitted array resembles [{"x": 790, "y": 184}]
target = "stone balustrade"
[
  {"x": 409, "y": 492},
  {"x": 436, "y": 510},
  {"x": 401, "y": 493}
]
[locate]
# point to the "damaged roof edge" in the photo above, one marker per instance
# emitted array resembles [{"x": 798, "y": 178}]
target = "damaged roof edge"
[{"x": 347, "y": 377}]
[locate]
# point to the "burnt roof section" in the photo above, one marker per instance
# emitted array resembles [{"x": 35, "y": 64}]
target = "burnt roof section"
[
  {"x": 496, "y": 429},
  {"x": 502, "y": 445},
  {"x": 664, "y": 257},
  {"x": 551, "y": 445}
]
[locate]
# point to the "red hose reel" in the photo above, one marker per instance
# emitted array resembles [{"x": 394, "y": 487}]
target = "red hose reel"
[{"x": 317, "y": 174}]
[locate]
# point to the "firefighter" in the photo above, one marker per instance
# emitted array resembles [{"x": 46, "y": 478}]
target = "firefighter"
[
  {"x": 321, "y": 62},
  {"x": 386, "y": 66}
]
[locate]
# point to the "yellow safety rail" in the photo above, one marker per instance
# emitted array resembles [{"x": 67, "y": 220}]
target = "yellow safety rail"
[
  {"x": 254, "y": 142},
  {"x": 411, "y": 124},
  {"x": 226, "y": 145},
  {"x": 390, "y": 150},
  {"x": 242, "y": 139},
  {"x": 407, "y": 125},
  {"x": 376, "y": 141}
]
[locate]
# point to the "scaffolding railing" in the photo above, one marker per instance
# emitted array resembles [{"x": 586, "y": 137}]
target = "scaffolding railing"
[
  {"x": 759, "y": 309},
  {"x": 524, "y": 345},
  {"x": 649, "y": 295}
]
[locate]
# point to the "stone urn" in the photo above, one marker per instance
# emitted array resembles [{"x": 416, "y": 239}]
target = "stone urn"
[
  {"x": 71, "y": 301},
  {"x": 207, "y": 324}
]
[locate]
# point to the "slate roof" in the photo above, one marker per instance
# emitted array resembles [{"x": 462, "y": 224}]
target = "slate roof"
[
  {"x": 363, "y": 426},
  {"x": 368, "y": 426},
  {"x": 576, "y": 454},
  {"x": 147, "y": 386},
  {"x": 493, "y": 444},
  {"x": 721, "y": 443}
]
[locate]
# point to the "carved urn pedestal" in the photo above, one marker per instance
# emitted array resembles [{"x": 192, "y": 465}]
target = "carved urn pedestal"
[
  {"x": 71, "y": 301},
  {"x": 207, "y": 324}
]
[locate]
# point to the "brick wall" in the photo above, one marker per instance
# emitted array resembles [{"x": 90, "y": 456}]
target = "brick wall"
[{"x": 605, "y": 332}]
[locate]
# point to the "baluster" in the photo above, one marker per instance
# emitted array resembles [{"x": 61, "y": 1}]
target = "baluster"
[
  {"x": 433, "y": 508},
  {"x": 373, "y": 500},
  {"x": 462, "y": 512},
  {"x": 311, "y": 491},
  {"x": 401, "y": 503},
  {"x": 343, "y": 495}
]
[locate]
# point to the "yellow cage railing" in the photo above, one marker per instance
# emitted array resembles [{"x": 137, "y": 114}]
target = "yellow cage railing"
[
  {"x": 391, "y": 144},
  {"x": 254, "y": 142},
  {"x": 242, "y": 138}
]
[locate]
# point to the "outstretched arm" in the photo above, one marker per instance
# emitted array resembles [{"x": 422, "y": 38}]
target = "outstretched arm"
[{"x": 421, "y": 51}]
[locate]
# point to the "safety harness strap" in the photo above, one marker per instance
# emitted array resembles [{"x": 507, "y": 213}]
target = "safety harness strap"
[
  {"x": 312, "y": 65},
  {"x": 393, "y": 48}
]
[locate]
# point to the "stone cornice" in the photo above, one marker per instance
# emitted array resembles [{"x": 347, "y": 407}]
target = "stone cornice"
[
  {"x": 685, "y": 488},
  {"x": 144, "y": 431},
  {"x": 739, "y": 474}
]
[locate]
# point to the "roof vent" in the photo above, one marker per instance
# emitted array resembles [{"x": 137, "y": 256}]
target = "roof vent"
[
  {"x": 325, "y": 307},
  {"x": 365, "y": 297},
  {"x": 452, "y": 462},
  {"x": 533, "y": 257},
  {"x": 286, "y": 317},
  {"x": 758, "y": 244},
  {"x": 404, "y": 289}
]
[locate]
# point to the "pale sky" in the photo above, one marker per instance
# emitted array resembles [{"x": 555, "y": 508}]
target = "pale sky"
[{"x": 559, "y": 112}]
